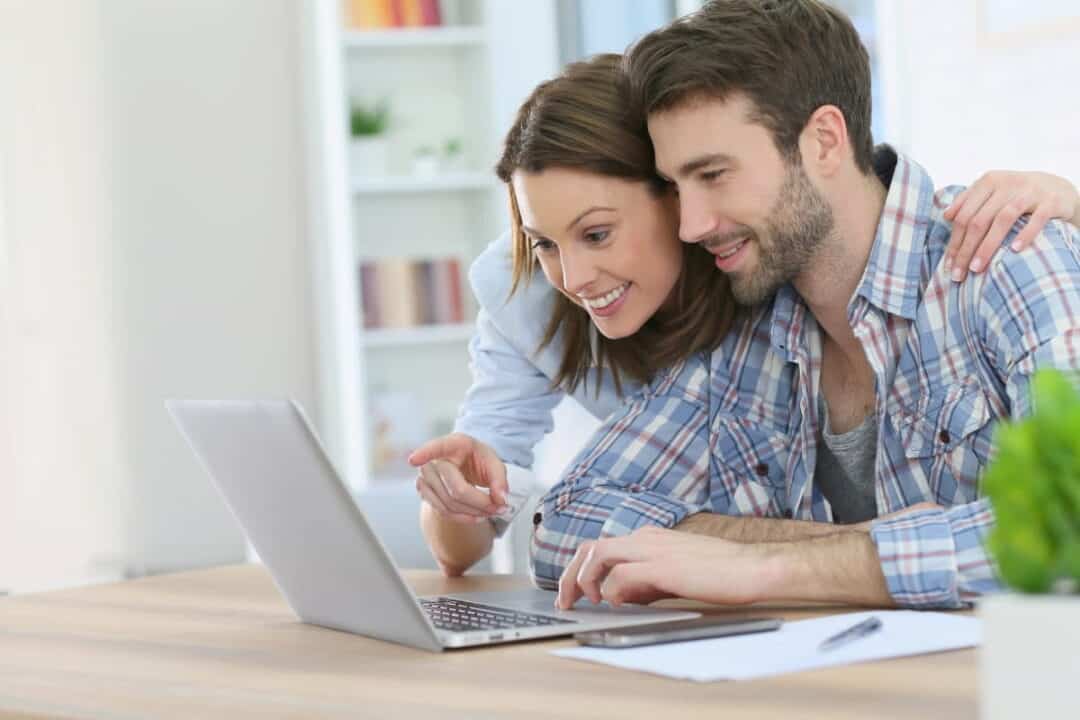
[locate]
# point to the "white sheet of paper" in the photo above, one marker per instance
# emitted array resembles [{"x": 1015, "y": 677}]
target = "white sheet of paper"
[{"x": 793, "y": 647}]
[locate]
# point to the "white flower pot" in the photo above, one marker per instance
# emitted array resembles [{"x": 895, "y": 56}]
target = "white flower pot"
[
  {"x": 1029, "y": 661},
  {"x": 425, "y": 166},
  {"x": 367, "y": 156},
  {"x": 454, "y": 162}
]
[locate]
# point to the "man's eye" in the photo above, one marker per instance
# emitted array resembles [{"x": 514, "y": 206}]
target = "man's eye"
[
  {"x": 712, "y": 175},
  {"x": 597, "y": 236}
]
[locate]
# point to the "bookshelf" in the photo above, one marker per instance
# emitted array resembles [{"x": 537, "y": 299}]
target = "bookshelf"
[
  {"x": 459, "y": 81},
  {"x": 462, "y": 37},
  {"x": 424, "y": 335},
  {"x": 442, "y": 182}
]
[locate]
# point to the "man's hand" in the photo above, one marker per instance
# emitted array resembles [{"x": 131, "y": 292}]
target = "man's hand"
[{"x": 652, "y": 563}]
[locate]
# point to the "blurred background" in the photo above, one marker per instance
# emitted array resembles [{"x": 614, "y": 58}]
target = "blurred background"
[{"x": 281, "y": 197}]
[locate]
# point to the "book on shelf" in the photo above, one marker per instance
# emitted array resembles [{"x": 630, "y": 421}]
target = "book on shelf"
[
  {"x": 388, "y": 14},
  {"x": 411, "y": 292}
]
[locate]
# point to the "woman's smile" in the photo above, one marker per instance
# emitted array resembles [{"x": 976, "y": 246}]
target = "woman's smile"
[{"x": 607, "y": 304}]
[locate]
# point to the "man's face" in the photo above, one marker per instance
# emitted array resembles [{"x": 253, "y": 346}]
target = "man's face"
[{"x": 758, "y": 214}]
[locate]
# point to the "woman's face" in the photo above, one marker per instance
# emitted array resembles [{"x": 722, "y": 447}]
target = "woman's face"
[{"x": 609, "y": 245}]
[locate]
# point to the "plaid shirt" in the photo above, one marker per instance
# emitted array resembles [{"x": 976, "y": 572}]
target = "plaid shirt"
[{"x": 736, "y": 432}]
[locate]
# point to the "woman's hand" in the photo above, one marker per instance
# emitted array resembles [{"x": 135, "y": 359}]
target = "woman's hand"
[
  {"x": 451, "y": 469},
  {"x": 983, "y": 214}
]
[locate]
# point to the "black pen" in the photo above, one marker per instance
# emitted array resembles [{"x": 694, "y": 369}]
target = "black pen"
[{"x": 862, "y": 629}]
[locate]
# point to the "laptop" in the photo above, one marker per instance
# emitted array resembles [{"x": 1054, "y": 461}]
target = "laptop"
[{"x": 326, "y": 559}]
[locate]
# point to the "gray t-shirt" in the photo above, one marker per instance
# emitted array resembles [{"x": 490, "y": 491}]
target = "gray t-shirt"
[{"x": 845, "y": 468}]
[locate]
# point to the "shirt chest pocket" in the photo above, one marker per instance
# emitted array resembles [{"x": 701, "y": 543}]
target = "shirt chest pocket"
[
  {"x": 749, "y": 468},
  {"x": 949, "y": 433}
]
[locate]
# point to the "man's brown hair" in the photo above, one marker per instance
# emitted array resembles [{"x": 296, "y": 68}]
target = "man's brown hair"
[
  {"x": 789, "y": 57},
  {"x": 580, "y": 120}
]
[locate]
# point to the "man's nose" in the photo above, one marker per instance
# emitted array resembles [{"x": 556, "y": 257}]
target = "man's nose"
[{"x": 696, "y": 219}]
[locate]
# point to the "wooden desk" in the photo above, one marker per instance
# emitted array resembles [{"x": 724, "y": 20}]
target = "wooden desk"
[{"x": 222, "y": 643}]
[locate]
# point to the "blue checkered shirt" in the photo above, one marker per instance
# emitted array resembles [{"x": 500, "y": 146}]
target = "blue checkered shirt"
[{"x": 736, "y": 432}]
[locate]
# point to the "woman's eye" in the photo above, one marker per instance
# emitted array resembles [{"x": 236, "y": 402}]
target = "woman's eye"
[
  {"x": 712, "y": 175},
  {"x": 597, "y": 236},
  {"x": 542, "y": 246}
]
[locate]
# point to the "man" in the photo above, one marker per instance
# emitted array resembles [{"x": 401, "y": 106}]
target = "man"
[{"x": 862, "y": 387}]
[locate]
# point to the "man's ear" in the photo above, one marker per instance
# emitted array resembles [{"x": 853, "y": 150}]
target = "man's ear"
[{"x": 824, "y": 141}]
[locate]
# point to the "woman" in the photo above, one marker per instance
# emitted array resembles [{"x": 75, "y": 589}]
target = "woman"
[{"x": 587, "y": 208}]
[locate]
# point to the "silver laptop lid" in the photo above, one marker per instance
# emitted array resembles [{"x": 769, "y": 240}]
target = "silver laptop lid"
[{"x": 268, "y": 463}]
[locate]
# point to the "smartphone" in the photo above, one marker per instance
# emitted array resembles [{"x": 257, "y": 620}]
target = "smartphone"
[{"x": 677, "y": 631}]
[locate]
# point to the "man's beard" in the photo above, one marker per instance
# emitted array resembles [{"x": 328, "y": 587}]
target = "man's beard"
[{"x": 798, "y": 223}]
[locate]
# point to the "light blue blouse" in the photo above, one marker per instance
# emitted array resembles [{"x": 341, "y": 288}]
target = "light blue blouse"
[{"x": 509, "y": 405}]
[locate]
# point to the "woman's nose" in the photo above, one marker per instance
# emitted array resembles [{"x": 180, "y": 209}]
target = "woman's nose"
[{"x": 579, "y": 272}]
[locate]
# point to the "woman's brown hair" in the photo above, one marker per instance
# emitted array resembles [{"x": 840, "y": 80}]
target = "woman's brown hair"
[{"x": 581, "y": 120}]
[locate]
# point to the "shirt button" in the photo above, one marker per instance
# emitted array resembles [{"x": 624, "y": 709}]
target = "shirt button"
[
  {"x": 944, "y": 437},
  {"x": 537, "y": 519},
  {"x": 762, "y": 469}
]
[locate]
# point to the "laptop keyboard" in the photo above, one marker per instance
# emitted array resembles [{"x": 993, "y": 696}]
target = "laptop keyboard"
[{"x": 462, "y": 615}]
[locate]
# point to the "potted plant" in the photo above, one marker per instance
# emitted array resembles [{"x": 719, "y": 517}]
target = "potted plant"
[
  {"x": 1031, "y": 636},
  {"x": 454, "y": 154},
  {"x": 368, "y": 146},
  {"x": 425, "y": 161}
]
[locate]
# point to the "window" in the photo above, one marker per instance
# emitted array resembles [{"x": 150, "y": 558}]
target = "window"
[{"x": 588, "y": 27}]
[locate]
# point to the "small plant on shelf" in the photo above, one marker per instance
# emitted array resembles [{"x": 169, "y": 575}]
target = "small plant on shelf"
[
  {"x": 369, "y": 120},
  {"x": 454, "y": 153},
  {"x": 425, "y": 161},
  {"x": 368, "y": 125}
]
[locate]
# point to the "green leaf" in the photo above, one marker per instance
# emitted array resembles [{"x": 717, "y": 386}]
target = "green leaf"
[
  {"x": 1034, "y": 485},
  {"x": 367, "y": 120}
]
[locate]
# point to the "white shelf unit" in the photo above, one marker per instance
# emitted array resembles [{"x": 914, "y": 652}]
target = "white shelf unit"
[
  {"x": 443, "y": 182},
  {"x": 413, "y": 336},
  {"x": 415, "y": 38},
  {"x": 463, "y": 81}
]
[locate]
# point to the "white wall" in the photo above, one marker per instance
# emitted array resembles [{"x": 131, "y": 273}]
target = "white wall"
[
  {"x": 962, "y": 102},
  {"x": 524, "y": 51},
  {"x": 64, "y": 471},
  {"x": 151, "y": 176}
]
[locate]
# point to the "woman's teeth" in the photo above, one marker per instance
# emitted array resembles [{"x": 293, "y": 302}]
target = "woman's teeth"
[{"x": 599, "y": 303}]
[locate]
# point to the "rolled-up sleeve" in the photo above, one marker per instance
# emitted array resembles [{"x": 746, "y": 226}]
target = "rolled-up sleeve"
[
  {"x": 648, "y": 464},
  {"x": 937, "y": 558}
]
